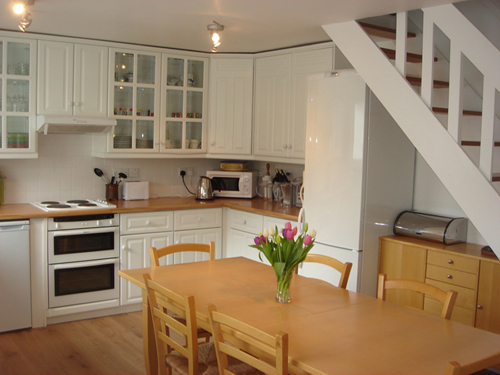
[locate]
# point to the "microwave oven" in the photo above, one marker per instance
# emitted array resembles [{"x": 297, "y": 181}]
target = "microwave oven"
[{"x": 233, "y": 184}]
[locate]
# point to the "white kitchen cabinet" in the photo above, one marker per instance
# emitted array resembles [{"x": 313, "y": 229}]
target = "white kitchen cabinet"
[
  {"x": 134, "y": 253},
  {"x": 18, "y": 138},
  {"x": 134, "y": 96},
  {"x": 72, "y": 79},
  {"x": 281, "y": 101},
  {"x": 139, "y": 232},
  {"x": 183, "y": 104},
  {"x": 197, "y": 226},
  {"x": 231, "y": 90}
]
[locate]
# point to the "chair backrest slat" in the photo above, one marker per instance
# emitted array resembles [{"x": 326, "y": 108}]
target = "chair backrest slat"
[
  {"x": 156, "y": 254},
  {"x": 343, "y": 268}
]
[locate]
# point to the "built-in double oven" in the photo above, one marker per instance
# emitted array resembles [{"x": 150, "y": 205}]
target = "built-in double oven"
[{"x": 83, "y": 263}]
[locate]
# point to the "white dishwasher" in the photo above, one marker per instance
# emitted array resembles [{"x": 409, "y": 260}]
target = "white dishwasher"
[{"x": 15, "y": 285}]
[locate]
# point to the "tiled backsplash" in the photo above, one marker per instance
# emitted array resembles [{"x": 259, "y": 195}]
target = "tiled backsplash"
[{"x": 65, "y": 170}]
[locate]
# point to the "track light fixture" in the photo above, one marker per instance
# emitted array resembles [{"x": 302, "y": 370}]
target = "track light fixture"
[
  {"x": 215, "y": 28},
  {"x": 21, "y": 7}
]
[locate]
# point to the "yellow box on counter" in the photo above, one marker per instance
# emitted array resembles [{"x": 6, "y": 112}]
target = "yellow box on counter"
[{"x": 233, "y": 165}]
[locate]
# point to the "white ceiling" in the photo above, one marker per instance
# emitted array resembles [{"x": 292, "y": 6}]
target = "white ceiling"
[{"x": 250, "y": 25}]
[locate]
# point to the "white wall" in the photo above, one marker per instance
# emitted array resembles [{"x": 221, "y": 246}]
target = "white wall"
[
  {"x": 65, "y": 170},
  {"x": 430, "y": 196}
]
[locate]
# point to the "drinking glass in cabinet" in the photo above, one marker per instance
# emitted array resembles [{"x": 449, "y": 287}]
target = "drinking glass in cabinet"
[
  {"x": 144, "y": 135},
  {"x": 174, "y": 103},
  {"x": 173, "y": 134},
  {"x": 17, "y": 132},
  {"x": 18, "y": 58},
  {"x": 124, "y": 67},
  {"x": 146, "y": 69},
  {"x": 145, "y": 101},
  {"x": 194, "y": 104},
  {"x": 122, "y": 138},
  {"x": 123, "y": 101},
  {"x": 195, "y": 73},
  {"x": 193, "y": 135},
  {"x": 18, "y": 95},
  {"x": 175, "y": 72}
]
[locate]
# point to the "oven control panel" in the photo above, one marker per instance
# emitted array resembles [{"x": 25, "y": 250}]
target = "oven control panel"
[{"x": 83, "y": 221}]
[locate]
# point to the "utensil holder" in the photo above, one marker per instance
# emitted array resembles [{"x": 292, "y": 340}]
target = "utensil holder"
[{"x": 111, "y": 192}]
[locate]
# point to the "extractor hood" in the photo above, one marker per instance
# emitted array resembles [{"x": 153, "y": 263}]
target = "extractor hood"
[{"x": 74, "y": 125}]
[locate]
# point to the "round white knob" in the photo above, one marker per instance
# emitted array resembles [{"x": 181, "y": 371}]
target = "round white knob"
[
  {"x": 284, "y": 147},
  {"x": 244, "y": 222},
  {"x": 98, "y": 223},
  {"x": 199, "y": 219},
  {"x": 147, "y": 222},
  {"x": 123, "y": 247},
  {"x": 290, "y": 146},
  {"x": 212, "y": 143},
  {"x": 57, "y": 226}
]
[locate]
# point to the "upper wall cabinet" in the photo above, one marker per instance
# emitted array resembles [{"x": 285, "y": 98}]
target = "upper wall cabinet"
[
  {"x": 134, "y": 101},
  {"x": 281, "y": 101},
  {"x": 183, "y": 104},
  {"x": 72, "y": 79},
  {"x": 17, "y": 98},
  {"x": 231, "y": 90}
]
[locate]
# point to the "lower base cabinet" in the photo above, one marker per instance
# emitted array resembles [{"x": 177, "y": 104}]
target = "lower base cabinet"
[{"x": 458, "y": 267}]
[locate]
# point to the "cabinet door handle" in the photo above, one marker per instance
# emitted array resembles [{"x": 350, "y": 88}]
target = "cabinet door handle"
[
  {"x": 450, "y": 261},
  {"x": 290, "y": 147},
  {"x": 479, "y": 307},
  {"x": 244, "y": 222},
  {"x": 147, "y": 222},
  {"x": 212, "y": 143},
  {"x": 449, "y": 276},
  {"x": 199, "y": 219},
  {"x": 284, "y": 147}
]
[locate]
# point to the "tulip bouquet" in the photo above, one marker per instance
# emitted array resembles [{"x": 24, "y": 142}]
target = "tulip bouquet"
[{"x": 284, "y": 252}]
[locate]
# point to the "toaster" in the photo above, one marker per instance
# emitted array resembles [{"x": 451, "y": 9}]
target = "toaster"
[{"x": 134, "y": 190}]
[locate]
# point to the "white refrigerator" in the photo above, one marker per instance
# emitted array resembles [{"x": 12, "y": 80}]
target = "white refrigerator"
[{"x": 358, "y": 175}]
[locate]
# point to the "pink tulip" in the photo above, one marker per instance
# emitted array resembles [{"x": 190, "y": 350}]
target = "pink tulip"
[
  {"x": 288, "y": 225},
  {"x": 295, "y": 230},
  {"x": 263, "y": 239},
  {"x": 307, "y": 240},
  {"x": 257, "y": 240},
  {"x": 289, "y": 234}
]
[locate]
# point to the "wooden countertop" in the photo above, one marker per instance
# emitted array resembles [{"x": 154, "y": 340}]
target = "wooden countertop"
[
  {"x": 467, "y": 249},
  {"x": 255, "y": 205}
]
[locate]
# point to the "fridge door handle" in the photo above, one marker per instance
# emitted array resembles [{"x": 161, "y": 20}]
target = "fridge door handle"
[{"x": 302, "y": 220}]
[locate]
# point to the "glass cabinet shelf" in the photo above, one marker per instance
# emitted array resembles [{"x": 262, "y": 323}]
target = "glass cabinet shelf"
[
  {"x": 17, "y": 97},
  {"x": 184, "y": 96}
]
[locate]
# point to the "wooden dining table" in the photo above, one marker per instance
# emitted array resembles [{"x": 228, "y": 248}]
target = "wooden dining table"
[{"x": 331, "y": 330}]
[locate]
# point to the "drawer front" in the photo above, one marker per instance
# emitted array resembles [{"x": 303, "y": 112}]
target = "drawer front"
[
  {"x": 270, "y": 221},
  {"x": 198, "y": 219},
  {"x": 245, "y": 221},
  {"x": 146, "y": 222},
  {"x": 460, "y": 314},
  {"x": 453, "y": 277},
  {"x": 465, "y": 298},
  {"x": 453, "y": 261}
]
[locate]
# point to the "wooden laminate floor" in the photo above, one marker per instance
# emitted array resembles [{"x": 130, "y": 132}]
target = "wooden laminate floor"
[{"x": 109, "y": 345}]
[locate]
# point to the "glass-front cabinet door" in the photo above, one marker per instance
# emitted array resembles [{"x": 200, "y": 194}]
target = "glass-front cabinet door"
[
  {"x": 134, "y": 101},
  {"x": 17, "y": 98},
  {"x": 183, "y": 96}
]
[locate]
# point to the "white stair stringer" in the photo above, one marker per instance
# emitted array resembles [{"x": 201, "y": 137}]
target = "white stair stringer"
[{"x": 464, "y": 181}]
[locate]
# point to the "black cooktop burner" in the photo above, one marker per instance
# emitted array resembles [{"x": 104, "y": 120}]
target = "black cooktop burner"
[
  {"x": 58, "y": 205},
  {"x": 49, "y": 202},
  {"x": 78, "y": 201},
  {"x": 87, "y": 205}
]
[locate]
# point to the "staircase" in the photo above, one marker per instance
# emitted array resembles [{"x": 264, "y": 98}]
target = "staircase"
[{"x": 436, "y": 123}]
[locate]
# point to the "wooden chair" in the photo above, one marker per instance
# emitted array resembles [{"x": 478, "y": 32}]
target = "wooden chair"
[
  {"x": 343, "y": 268},
  {"x": 172, "y": 353},
  {"x": 446, "y": 298},
  {"x": 156, "y": 254},
  {"x": 232, "y": 338},
  {"x": 454, "y": 368}
]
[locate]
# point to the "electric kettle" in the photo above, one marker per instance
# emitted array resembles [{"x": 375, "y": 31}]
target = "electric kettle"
[{"x": 204, "y": 190}]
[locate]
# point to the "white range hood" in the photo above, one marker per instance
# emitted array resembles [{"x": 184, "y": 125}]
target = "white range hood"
[{"x": 74, "y": 125}]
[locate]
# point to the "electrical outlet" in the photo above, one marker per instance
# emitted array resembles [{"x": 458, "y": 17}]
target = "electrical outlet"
[
  {"x": 133, "y": 172},
  {"x": 189, "y": 171},
  {"x": 116, "y": 171}
]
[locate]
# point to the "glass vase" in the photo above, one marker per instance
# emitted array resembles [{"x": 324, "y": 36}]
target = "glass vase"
[{"x": 283, "y": 294}]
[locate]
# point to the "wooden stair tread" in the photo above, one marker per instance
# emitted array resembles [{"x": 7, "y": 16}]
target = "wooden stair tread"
[
  {"x": 381, "y": 31},
  {"x": 417, "y": 81},
  {"x": 465, "y": 112},
  {"x": 410, "y": 57},
  {"x": 477, "y": 143}
]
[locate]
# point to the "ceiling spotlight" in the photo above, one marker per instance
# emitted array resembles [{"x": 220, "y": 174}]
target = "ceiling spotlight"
[
  {"x": 215, "y": 29},
  {"x": 21, "y": 7}
]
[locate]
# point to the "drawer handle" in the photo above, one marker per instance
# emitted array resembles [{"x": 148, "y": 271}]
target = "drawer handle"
[
  {"x": 449, "y": 276},
  {"x": 244, "y": 222},
  {"x": 147, "y": 222},
  {"x": 450, "y": 261},
  {"x": 479, "y": 307},
  {"x": 199, "y": 219}
]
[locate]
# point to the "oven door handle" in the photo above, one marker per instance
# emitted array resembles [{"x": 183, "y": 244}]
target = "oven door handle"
[
  {"x": 90, "y": 263},
  {"x": 74, "y": 232}
]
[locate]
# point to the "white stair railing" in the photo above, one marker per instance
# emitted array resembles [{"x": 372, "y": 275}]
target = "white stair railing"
[{"x": 465, "y": 182}]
